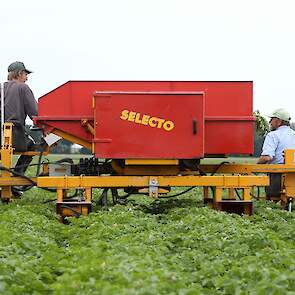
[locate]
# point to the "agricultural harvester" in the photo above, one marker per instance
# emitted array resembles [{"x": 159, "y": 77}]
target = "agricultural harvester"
[{"x": 146, "y": 137}]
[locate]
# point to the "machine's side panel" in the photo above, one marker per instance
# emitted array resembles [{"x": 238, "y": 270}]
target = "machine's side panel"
[
  {"x": 166, "y": 125},
  {"x": 228, "y": 109},
  {"x": 229, "y": 122}
]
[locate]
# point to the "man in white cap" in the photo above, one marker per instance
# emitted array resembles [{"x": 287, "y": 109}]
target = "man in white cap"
[{"x": 281, "y": 137}]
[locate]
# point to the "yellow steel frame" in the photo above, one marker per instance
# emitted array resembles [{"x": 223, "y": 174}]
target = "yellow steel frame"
[
  {"x": 73, "y": 138},
  {"x": 6, "y": 179},
  {"x": 224, "y": 181},
  {"x": 287, "y": 170},
  {"x": 6, "y": 159},
  {"x": 154, "y": 184}
]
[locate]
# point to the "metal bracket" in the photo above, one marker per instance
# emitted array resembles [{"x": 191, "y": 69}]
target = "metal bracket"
[{"x": 153, "y": 187}]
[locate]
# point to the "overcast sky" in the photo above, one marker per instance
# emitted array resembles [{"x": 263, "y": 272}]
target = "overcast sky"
[{"x": 154, "y": 40}]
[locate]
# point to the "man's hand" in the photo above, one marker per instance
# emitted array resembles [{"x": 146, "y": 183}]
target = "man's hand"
[{"x": 264, "y": 160}]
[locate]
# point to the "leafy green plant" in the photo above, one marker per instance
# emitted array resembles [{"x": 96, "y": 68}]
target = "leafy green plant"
[
  {"x": 168, "y": 246},
  {"x": 165, "y": 246},
  {"x": 262, "y": 126}
]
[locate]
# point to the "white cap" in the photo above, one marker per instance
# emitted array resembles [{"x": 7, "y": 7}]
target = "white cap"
[{"x": 281, "y": 114}]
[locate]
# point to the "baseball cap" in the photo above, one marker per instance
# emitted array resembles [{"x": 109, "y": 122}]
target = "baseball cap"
[
  {"x": 18, "y": 66},
  {"x": 281, "y": 114}
]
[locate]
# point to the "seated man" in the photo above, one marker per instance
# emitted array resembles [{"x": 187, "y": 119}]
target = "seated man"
[{"x": 280, "y": 138}]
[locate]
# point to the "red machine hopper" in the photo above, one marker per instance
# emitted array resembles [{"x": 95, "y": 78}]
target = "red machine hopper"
[{"x": 152, "y": 120}]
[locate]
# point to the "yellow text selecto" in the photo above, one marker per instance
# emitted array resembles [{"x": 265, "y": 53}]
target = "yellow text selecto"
[{"x": 147, "y": 120}]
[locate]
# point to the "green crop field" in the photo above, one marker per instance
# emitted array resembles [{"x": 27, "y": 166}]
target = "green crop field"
[{"x": 165, "y": 246}]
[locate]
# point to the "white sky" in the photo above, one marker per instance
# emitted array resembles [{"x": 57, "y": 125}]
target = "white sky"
[{"x": 154, "y": 40}]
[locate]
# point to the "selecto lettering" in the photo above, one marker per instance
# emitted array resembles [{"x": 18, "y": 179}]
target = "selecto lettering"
[{"x": 147, "y": 120}]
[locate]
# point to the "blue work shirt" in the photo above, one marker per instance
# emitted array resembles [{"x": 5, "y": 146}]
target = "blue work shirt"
[{"x": 276, "y": 142}]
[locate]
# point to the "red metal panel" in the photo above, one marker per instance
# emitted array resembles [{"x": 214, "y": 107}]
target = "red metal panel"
[
  {"x": 222, "y": 98},
  {"x": 149, "y": 125},
  {"x": 228, "y": 108},
  {"x": 68, "y": 124}
]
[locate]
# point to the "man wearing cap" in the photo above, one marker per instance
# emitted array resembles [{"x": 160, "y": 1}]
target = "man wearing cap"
[
  {"x": 19, "y": 102},
  {"x": 280, "y": 138}
]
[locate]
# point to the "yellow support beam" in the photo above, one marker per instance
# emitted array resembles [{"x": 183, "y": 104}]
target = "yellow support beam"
[
  {"x": 143, "y": 181},
  {"x": 289, "y": 157},
  {"x": 231, "y": 194},
  {"x": 6, "y": 159},
  {"x": 11, "y": 181},
  {"x": 218, "y": 194},
  {"x": 73, "y": 138},
  {"x": 248, "y": 168}
]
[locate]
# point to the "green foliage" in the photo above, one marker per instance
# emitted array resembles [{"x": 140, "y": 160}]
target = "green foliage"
[
  {"x": 169, "y": 246},
  {"x": 262, "y": 126}
]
